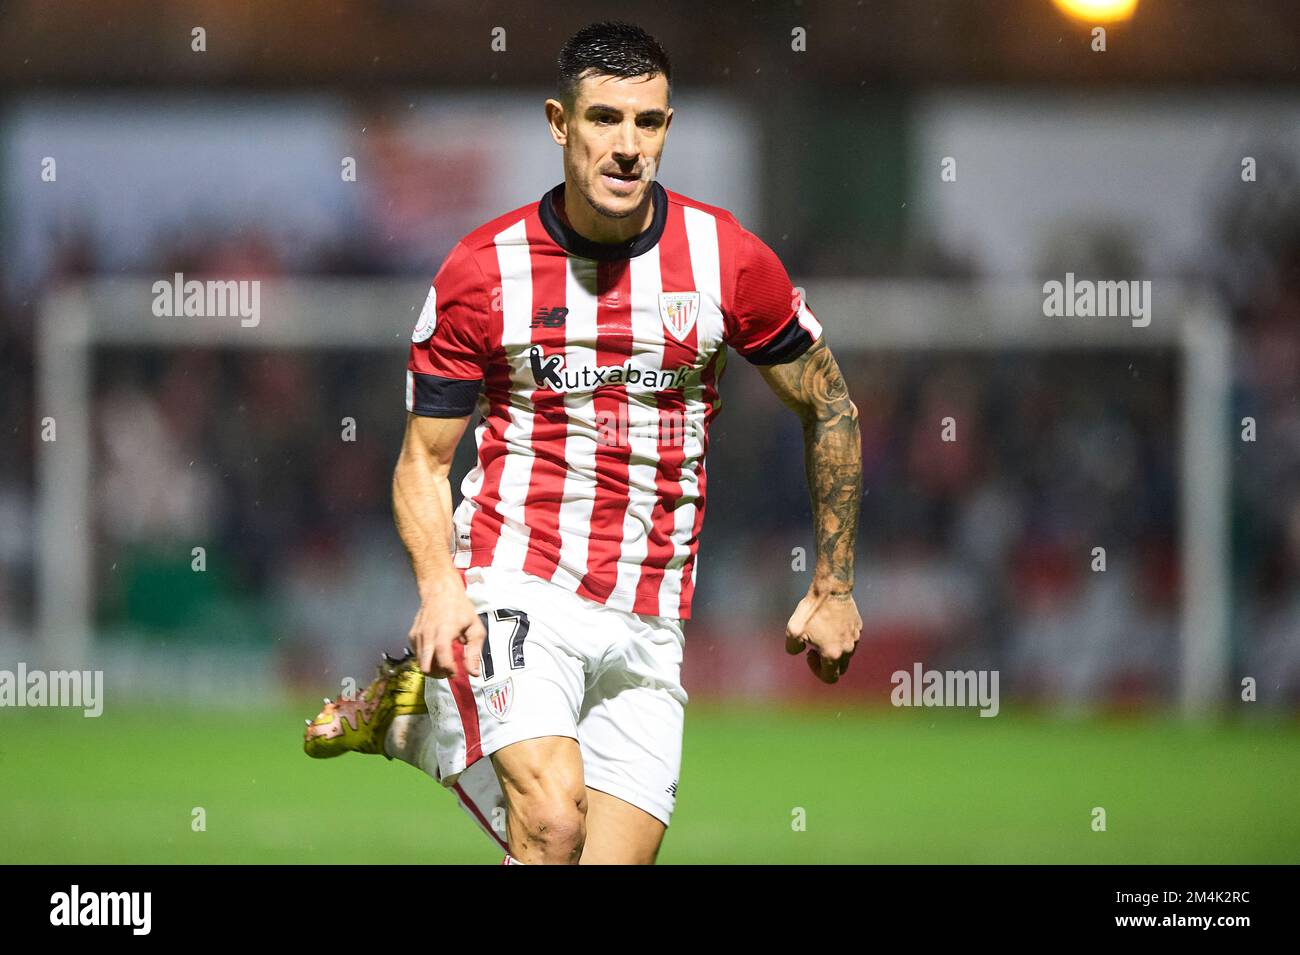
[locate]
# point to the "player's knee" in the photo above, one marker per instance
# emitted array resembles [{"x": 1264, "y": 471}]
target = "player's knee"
[
  {"x": 552, "y": 824},
  {"x": 547, "y": 803}
]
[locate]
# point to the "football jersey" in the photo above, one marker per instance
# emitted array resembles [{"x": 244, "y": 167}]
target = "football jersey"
[{"x": 595, "y": 369}]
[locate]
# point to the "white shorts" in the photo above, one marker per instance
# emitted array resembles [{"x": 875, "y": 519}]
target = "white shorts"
[{"x": 558, "y": 664}]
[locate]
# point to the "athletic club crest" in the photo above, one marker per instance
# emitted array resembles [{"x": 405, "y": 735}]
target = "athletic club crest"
[
  {"x": 678, "y": 311},
  {"x": 498, "y": 698}
]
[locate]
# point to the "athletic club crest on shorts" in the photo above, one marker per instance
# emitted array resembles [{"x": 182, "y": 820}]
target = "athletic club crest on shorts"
[
  {"x": 498, "y": 698},
  {"x": 678, "y": 311}
]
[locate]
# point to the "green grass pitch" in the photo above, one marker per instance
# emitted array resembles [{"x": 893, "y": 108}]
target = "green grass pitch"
[{"x": 873, "y": 786}]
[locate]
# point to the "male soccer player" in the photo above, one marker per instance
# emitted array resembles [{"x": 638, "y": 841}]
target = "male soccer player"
[{"x": 589, "y": 329}]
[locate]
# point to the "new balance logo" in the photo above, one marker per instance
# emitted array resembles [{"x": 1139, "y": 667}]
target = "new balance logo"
[{"x": 549, "y": 317}]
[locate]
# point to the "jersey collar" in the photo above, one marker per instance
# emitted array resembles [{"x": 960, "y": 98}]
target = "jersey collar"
[{"x": 575, "y": 244}]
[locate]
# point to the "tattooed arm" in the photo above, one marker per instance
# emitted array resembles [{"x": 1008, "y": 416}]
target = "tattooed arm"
[{"x": 827, "y": 620}]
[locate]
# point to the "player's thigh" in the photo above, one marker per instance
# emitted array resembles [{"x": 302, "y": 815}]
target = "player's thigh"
[
  {"x": 631, "y": 735},
  {"x": 618, "y": 833},
  {"x": 545, "y": 795},
  {"x": 530, "y": 683}
]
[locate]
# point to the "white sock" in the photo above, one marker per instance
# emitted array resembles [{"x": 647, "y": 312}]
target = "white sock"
[{"x": 407, "y": 738}]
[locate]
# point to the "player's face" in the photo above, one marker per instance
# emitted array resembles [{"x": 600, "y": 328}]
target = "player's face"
[{"x": 614, "y": 138}]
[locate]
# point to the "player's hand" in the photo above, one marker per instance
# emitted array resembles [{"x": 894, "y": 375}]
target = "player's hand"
[
  {"x": 447, "y": 617},
  {"x": 828, "y": 626}
]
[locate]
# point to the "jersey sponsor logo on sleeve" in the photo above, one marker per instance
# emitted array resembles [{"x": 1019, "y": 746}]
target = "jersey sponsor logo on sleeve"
[
  {"x": 428, "y": 318},
  {"x": 679, "y": 311},
  {"x": 809, "y": 321}
]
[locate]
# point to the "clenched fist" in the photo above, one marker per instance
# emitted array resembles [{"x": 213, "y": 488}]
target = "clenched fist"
[{"x": 829, "y": 626}]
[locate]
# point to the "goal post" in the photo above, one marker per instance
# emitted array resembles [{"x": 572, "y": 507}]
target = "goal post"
[{"x": 860, "y": 315}]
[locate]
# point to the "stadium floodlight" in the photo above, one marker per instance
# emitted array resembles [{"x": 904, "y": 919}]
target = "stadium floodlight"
[
  {"x": 1098, "y": 11},
  {"x": 859, "y": 315}
]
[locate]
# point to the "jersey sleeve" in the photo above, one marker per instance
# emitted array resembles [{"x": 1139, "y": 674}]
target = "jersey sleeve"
[
  {"x": 449, "y": 350},
  {"x": 768, "y": 322}
]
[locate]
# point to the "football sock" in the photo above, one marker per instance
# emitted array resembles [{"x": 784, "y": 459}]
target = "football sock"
[{"x": 407, "y": 737}]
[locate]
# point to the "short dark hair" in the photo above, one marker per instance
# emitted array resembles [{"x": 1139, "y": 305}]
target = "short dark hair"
[{"x": 610, "y": 48}]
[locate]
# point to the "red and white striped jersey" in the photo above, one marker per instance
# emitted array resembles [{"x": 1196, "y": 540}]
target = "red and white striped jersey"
[{"x": 595, "y": 368}]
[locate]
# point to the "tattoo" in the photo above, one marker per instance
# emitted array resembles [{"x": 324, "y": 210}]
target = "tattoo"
[{"x": 813, "y": 388}]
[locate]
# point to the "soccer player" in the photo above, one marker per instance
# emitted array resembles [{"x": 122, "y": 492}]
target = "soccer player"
[{"x": 589, "y": 330}]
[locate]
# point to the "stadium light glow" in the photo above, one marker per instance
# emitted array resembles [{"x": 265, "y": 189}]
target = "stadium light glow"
[{"x": 1097, "y": 11}]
